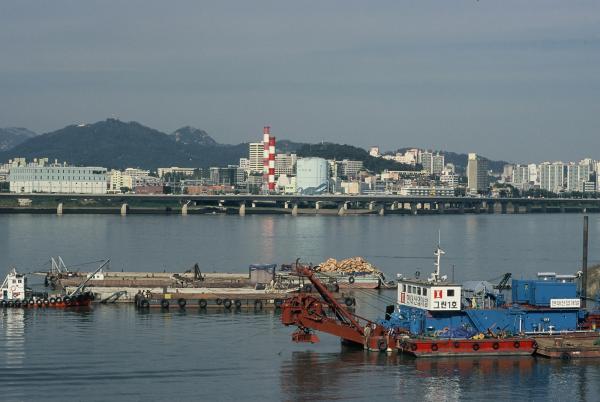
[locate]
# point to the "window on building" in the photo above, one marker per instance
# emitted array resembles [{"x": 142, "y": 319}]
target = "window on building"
[
  {"x": 424, "y": 291},
  {"x": 450, "y": 292},
  {"x": 419, "y": 291}
]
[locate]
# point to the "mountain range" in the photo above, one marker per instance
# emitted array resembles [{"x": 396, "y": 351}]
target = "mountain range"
[
  {"x": 116, "y": 144},
  {"x": 10, "y": 137}
]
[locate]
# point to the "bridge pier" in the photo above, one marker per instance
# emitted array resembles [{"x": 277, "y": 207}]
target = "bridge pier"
[
  {"x": 318, "y": 205},
  {"x": 253, "y": 204},
  {"x": 381, "y": 211},
  {"x": 342, "y": 209},
  {"x": 184, "y": 209},
  {"x": 286, "y": 204},
  {"x": 441, "y": 207},
  {"x": 503, "y": 207},
  {"x": 528, "y": 208},
  {"x": 295, "y": 209},
  {"x": 242, "y": 210},
  {"x": 461, "y": 207},
  {"x": 371, "y": 205},
  {"x": 394, "y": 206},
  {"x": 59, "y": 209},
  {"x": 490, "y": 207},
  {"x": 124, "y": 209},
  {"x": 413, "y": 208}
]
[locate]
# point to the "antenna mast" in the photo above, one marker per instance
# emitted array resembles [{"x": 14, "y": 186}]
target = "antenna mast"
[{"x": 438, "y": 254}]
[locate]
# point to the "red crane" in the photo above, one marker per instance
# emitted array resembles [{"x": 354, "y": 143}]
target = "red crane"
[{"x": 309, "y": 314}]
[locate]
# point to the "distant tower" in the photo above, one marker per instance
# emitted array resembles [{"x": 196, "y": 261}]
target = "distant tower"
[
  {"x": 271, "y": 177},
  {"x": 266, "y": 135},
  {"x": 269, "y": 158}
]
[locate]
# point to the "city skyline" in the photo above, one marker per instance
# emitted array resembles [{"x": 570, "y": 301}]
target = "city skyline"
[{"x": 483, "y": 78}]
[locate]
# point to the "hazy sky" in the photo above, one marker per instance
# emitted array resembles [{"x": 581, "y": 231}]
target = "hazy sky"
[{"x": 514, "y": 80}]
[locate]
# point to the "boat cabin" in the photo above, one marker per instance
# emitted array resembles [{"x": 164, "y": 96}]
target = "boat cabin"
[
  {"x": 13, "y": 287},
  {"x": 431, "y": 296}
]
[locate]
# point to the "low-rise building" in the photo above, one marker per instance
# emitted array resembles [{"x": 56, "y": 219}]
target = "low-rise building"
[
  {"x": 58, "y": 179},
  {"x": 351, "y": 187},
  {"x": 449, "y": 178},
  {"x": 424, "y": 191},
  {"x": 175, "y": 170}
]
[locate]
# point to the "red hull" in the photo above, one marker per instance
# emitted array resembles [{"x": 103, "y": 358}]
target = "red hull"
[
  {"x": 84, "y": 303},
  {"x": 467, "y": 347},
  {"x": 82, "y": 300}
]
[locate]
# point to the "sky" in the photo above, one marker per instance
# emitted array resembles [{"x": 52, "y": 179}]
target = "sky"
[{"x": 511, "y": 80}]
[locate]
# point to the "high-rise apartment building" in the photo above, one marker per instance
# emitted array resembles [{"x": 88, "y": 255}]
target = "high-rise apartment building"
[
  {"x": 552, "y": 176},
  {"x": 426, "y": 161},
  {"x": 432, "y": 163},
  {"x": 578, "y": 174},
  {"x": 285, "y": 164},
  {"x": 477, "y": 174},
  {"x": 533, "y": 173},
  {"x": 256, "y": 157},
  {"x": 437, "y": 163},
  {"x": 520, "y": 175}
]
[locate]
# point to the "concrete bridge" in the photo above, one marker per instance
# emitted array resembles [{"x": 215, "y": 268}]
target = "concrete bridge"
[{"x": 243, "y": 204}]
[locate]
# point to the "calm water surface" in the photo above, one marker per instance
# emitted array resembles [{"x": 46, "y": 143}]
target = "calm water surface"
[{"x": 117, "y": 353}]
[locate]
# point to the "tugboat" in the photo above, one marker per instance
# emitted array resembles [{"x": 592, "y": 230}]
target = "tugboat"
[{"x": 14, "y": 293}]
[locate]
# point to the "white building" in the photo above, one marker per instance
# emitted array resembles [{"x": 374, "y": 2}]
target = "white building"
[
  {"x": 578, "y": 174},
  {"x": 374, "y": 151},
  {"x": 256, "y": 157},
  {"x": 425, "y": 191},
  {"x": 244, "y": 163},
  {"x": 285, "y": 164},
  {"x": 351, "y": 168},
  {"x": 437, "y": 163},
  {"x": 175, "y": 170},
  {"x": 351, "y": 187},
  {"x": 312, "y": 175},
  {"x": 520, "y": 175},
  {"x": 533, "y": 173},
  {"x": 449, "y": 178},
  {"x": 477, "y": 174},
  {"x": 552, "y": 176},
  {"x": 58, "y": 179}
]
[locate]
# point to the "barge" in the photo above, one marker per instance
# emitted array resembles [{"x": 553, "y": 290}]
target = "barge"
[{"x": 433, "y": 318}]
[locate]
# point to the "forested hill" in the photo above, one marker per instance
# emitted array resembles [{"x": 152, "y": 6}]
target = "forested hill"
[{"x": 339, "y": 152}]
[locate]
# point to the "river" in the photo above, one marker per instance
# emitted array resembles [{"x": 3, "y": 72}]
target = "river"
[{"x": 118, "y": 353}]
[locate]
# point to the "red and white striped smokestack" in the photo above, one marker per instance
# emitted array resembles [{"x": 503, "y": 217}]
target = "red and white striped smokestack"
[
  {"x": 266, "y": 135},
  {"x": 271, "y": 163}
]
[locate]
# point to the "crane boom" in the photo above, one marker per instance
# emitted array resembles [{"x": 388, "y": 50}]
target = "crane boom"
[{"x": 307, "y": 312}]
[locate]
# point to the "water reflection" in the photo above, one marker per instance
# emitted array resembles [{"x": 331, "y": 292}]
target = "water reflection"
[
  {"x": 311, "y": 375},
  {"x": 13, "y": 325}
]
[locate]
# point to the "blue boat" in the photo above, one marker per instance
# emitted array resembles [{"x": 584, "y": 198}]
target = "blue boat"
[{"x": 435, "y": 307}]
